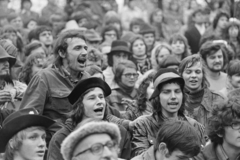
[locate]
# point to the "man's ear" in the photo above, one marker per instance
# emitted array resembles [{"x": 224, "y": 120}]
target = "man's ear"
[
  {"x": 62, "y": 54},
  {"x": 11, "y": 143},
  {"x": 163, "y": 149}
]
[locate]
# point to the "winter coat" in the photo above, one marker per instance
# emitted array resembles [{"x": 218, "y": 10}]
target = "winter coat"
[
  {"x": 55, "y": 143},
  {"x": 146, "y": 129}
]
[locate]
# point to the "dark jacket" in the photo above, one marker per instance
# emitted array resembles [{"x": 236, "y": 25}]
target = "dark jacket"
[
  {"x": 3, "y": 114},
  {"x": 146, "y": 128},
  {"x": 147, "y": 155},
  {"x": 193, "y": 36},
  {"x": 204, "y": 112},
  {"x": 47, "y": 92},
  {"x": 55, "y": 143}
]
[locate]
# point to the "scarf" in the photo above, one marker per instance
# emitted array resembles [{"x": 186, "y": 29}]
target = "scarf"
[
  {"x": 140, "y": 58},
  {"x": 126, "y": 89}
]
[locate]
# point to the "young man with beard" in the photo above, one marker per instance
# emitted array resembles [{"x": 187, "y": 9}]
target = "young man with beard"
[
  {"x": 215, "y": 59},
  {"x": 49, "y": 88}
]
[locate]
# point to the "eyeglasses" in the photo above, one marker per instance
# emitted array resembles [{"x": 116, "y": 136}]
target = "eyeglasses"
[
  {"x": 129, "y": 75},
  {"x": 110, "y": 35},
  {"x": 235, "y": 126},
  {"x": 97, "y": 148}
]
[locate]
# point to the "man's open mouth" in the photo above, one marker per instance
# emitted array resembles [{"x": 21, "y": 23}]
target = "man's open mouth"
[
  {"x": 81, "y": 60},
  {"x": 100, "y": 109}
]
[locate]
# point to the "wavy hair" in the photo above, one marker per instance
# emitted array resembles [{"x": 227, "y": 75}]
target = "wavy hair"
[{"x": 223, "y": 114}]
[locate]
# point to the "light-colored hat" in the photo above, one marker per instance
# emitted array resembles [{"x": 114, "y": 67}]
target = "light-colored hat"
[{"x": 86, "y": 130}]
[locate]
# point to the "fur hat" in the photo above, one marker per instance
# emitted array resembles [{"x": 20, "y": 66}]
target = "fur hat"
[{"x": 74, "y": 138}]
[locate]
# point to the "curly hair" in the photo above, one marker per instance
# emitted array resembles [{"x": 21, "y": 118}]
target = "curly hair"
[
  {"x": 223, "y": 114},
  {"x": 108, "y": 28}
]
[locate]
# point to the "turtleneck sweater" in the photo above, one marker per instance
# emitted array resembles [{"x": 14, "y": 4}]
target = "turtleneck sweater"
[
  {"x": 140, "y": 58},
  {"x": 193, "y": 99}
]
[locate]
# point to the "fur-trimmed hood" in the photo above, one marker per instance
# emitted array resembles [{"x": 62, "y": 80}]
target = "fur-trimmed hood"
[{"x": 86, "y": 130}]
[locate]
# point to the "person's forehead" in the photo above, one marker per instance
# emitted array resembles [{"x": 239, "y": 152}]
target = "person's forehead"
[
  {"x": 45, "y": 31},
  {"x": 129, "y": 70},
  {"x": 75, "y": 41},
  {"x": 218, "y": 52},
  {"x": 172, "y": 85}
]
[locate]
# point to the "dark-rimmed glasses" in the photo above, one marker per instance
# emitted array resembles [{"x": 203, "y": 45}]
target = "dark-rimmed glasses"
[{"x": 97, "y": 148}]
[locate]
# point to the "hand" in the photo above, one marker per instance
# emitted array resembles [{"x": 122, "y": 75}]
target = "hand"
[{"x": 5, "y": 96}]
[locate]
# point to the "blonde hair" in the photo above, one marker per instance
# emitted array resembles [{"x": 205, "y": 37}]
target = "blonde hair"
[{"x": 16, "y": 142}]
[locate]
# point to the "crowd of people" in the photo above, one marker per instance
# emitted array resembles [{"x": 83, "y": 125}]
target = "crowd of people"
[{"x": 156, "y": 80}]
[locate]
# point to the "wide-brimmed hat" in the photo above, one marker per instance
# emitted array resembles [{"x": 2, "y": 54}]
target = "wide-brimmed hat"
[
  {"x": 5, "y": 55},
  {"x": 70, "y": 143},
  {"x": 86, "y": 84},
  {"x": 20, "y": 120},
  {"x": 164, "y": 75},
  {"x": 121, "y": 46}
]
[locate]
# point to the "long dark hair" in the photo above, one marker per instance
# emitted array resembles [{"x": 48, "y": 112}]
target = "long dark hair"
[
  {"x": 78, "y": 111},
  {"x": 157, "y": 107}
]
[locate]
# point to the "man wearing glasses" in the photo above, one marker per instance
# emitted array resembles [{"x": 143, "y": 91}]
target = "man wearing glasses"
[
  {"x": 224, "y": 132},
  {"x": 92, "y": 141}
]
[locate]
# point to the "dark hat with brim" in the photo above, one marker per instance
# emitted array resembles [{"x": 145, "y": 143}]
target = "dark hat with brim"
[
  {"x": 5, "y": 55},
  {"x": 86, "y": 84},
  {"x": 20, "y": 120},
  {"x": 120, "y": 46},
  {"x": 164, "y": 75}
]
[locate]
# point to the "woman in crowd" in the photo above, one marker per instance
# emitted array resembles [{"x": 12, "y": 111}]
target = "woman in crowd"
[
  {"x": 125, "y": 77},
  {"x": 88, "y": 100},
  {"x": 23, "y": 135},
  {"x": 109, "y": 34},
  {"x": 168, "y": 101},
  {"x": 232, "y": 35},
  {"x": 179, "y": 45},
  {"x": 159, "y": 54},
  {"x": 139, "y": 49},
  {"x": 218, "y": 25},
  {"x": 141, "y": 106},
  {"x": 199, "y": 99}
]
